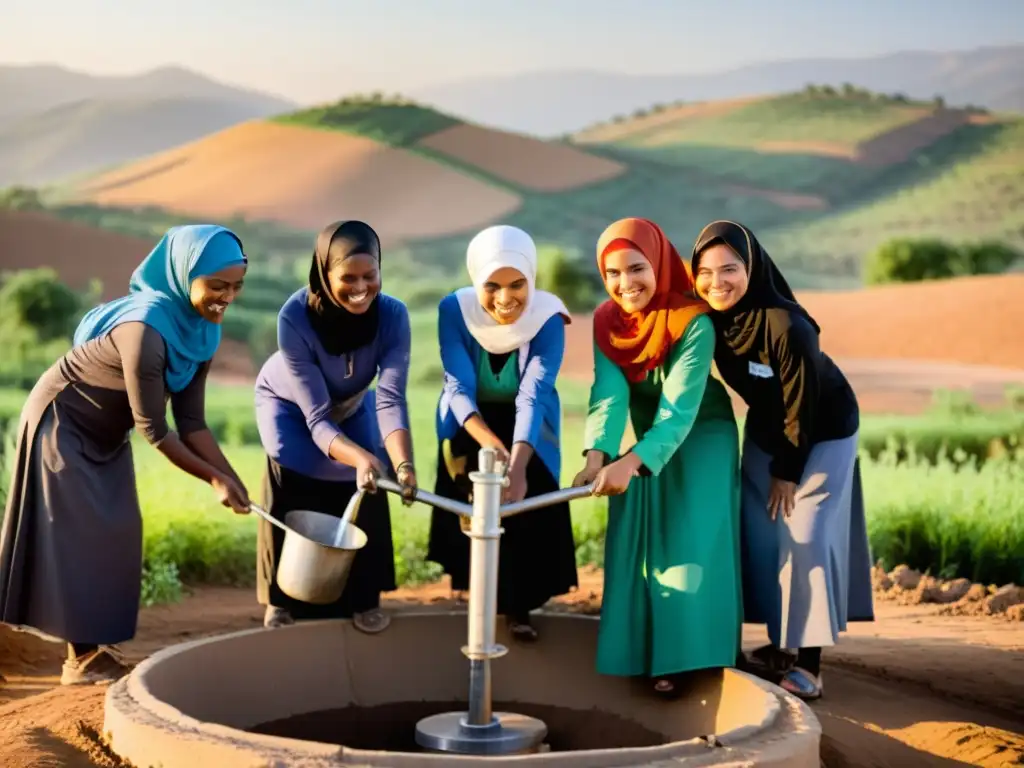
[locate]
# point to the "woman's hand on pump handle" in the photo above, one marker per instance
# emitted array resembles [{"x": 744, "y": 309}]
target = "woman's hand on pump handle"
[
  {"x": 614, "y": 479},
  {"x": 231, "y": 493},
  {"x": 587, "y": 475},
  {"x": 368, "y": 469},
  {"x": 406, "y": 475}
]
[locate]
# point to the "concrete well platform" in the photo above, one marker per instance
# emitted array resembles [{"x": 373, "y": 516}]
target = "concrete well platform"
[{"x": 192, "y": 705}]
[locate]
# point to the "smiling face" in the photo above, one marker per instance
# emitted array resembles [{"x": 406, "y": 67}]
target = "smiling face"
[
  {"x": 212, "y": 294},
  {"x": 721, "y": 278},
  {"x": 355, "y": 282},
  {"x": 504, "y": 295},
  {"x": 629, "y": 279}
]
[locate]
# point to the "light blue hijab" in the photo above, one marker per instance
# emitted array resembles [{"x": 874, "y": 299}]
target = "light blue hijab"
[{"x": 158, "y": 295}]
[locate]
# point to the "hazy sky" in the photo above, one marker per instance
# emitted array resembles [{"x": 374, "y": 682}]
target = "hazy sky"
[{"x": 317, "y": 49}]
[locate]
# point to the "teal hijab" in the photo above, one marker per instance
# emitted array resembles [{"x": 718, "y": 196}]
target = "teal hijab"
[{"x": 158, "y": 295}]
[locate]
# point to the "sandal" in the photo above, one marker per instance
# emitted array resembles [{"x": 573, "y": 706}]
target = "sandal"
[
  {"x": 667, "y": 686},
  {"x": 522, "y": 630},
  {"x": 104, "y": 665},
  {"x": 277, "y": 617},
  {"x": 371, "y": 622},
  {"x": 802, "y": 684},
  {"x": 774, "y": 660}
]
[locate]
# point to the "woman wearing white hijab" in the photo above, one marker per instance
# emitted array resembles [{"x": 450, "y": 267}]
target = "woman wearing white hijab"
[{"x": 502, "y": 342}]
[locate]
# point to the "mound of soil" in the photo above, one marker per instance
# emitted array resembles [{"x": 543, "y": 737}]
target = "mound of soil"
[{"x": 959, "y": 597}]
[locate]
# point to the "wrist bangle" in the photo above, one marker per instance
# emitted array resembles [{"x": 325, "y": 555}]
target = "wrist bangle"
[{"x": 404, "y": 464}]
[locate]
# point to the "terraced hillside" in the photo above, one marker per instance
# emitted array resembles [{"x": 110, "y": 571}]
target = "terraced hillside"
[
  {"x": 855, "y": 168},
  {"x": 823, "y": 177}
]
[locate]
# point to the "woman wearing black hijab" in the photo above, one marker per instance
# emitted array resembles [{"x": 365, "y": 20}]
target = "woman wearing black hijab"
[
  {"x": 325, "y": 431},
  {"x": 806, "y": 561}
]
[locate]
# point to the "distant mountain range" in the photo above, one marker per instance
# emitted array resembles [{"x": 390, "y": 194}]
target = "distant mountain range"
[
  {"x": 56, "y": 123},
  {"x": 556, "y": 102}
]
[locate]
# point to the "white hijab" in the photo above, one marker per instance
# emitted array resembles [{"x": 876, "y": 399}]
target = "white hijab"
[{"x": 492, "y": 249}]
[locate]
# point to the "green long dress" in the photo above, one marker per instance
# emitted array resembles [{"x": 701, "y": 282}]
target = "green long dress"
[{"x": 672, "y": 590}]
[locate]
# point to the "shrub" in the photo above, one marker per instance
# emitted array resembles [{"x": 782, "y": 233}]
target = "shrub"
[
  {"x": 904, "y": 260},
  {"x": 566, "y": 277},
  {"x": 21, "y": 199},
  {"x": 36, "y": 299},
  {"x": 986, "y": 258}
]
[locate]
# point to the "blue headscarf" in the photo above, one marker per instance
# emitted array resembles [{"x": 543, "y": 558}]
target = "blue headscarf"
[{"x": 158, "y": 295}]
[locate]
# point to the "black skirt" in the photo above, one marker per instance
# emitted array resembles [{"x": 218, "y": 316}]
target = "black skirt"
[
  {"x": 537, "y": 559},
  {"x": 373, "y": 569}
]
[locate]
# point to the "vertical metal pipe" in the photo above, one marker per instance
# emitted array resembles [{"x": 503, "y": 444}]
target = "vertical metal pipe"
[
  {"x": 485, "y": 533},
  {"x": 479, "y": 692}
]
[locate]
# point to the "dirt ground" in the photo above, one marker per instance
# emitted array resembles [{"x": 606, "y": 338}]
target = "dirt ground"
[{"x": 914, "y": 688}]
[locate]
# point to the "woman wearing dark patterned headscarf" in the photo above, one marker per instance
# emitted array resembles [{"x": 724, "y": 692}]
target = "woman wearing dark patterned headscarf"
[
  {"x": 326, "y": 433},
  {"x": 806, "y": 566}
]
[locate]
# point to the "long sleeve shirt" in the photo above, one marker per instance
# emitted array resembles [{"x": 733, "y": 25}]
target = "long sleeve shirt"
[
  {"x": 538, "y": 408},
  {"x": 300, "y": 388},
  {"x": 796, "y": 394}
]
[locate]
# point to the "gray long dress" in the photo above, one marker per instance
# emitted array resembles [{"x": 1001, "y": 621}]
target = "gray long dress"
[
  {"x": 71, "y": 542},
  {"x": 808, "y": 575}
]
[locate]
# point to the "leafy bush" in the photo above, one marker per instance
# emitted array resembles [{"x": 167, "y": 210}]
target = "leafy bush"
[
  {"x": 568, "y": 278},
  {"x": 36, "y": 299},
  {"x": 21, "y": 199},
  {"x": 905, "y": 260}
]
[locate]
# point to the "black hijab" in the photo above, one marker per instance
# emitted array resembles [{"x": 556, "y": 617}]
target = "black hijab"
[
  {"x": 339, "y": 330},
  {"x": 740, "y": 325}
]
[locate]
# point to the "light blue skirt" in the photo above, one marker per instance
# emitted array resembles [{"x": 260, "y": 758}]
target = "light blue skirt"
[{"x": 806, "y": 576}]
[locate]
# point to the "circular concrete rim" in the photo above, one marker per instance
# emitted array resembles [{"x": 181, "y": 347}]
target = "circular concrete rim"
[{"x": 134, "y": 718}]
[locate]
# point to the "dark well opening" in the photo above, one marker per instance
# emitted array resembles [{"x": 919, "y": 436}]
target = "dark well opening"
[{"x": 392, "y": 727}]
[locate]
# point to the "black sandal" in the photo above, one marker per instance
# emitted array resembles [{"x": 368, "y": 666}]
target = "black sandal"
[
  {"x": 773, "y": 660},
  {"x": 522, "y": 629}
]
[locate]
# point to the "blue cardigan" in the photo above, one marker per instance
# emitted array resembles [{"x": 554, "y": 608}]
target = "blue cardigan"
[{"x": 538, "y": 408}]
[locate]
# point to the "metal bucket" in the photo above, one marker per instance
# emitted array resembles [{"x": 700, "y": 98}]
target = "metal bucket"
[{"x": 318, "y": 551}]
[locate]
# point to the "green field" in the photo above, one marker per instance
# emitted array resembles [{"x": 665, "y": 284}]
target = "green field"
[
  {"x": 942, "y": 491},
  {"x": 789, "y": 117},
  {"x": 396, "y": 123}
]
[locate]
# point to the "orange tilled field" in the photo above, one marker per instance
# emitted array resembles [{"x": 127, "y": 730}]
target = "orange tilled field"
[
  {"x": 899, "y": 345},
  {"x": 77, "y": 252},
  {"x": 521, "y": 160},
  {"x": 969, "y": 320},
  {"x": 306, "y": 178}
]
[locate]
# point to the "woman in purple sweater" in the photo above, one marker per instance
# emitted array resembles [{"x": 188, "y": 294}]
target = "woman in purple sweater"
[{"x": 324, "y": 430}]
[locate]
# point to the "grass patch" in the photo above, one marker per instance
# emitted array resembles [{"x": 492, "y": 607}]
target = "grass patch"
[
  {"x": 399, "y": 124},
  {"x": 966, "y": 186},
  {"x": 790, "y": 117},
  {"x": 932, "y": 502}
]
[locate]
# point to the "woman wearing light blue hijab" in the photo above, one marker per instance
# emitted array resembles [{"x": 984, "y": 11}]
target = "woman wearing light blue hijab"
[{"x": 71, "y": 543}]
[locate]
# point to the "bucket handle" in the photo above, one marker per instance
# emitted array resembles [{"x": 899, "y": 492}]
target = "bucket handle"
[
  {"x": 350, "y": 511},
  {"x": 253, "y": 507}
]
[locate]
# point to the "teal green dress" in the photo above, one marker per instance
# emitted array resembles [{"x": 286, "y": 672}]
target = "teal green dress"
[{"x": 672, "y": 589}]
